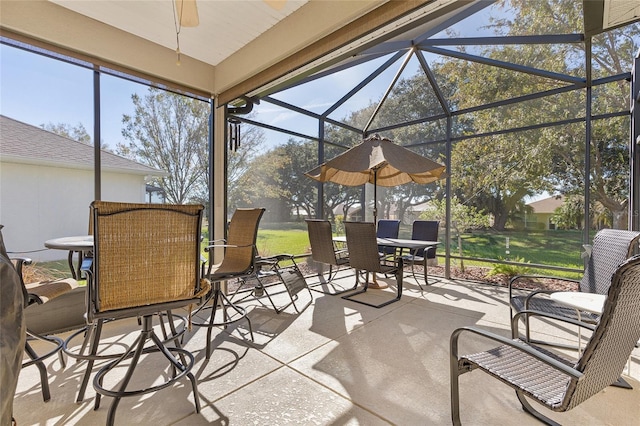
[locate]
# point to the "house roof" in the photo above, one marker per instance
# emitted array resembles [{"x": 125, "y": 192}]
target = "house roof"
[
  {"x": 547, "y": 205},
  {"x": 23, "y": 143}
]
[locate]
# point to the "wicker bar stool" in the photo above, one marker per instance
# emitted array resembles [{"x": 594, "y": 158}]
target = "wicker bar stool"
[{"x": 146, "y": 261}]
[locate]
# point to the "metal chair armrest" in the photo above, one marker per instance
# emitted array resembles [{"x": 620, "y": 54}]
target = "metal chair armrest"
[
  {"x": 517, "y": 344},
  {"x": 20, "y": 261}
]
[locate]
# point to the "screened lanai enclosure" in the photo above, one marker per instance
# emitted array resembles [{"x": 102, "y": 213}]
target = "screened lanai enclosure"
[
  {"x": 528, "y": 110},
  {"x": 530, "y": 105}
]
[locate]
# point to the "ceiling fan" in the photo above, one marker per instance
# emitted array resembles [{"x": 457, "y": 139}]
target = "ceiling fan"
[{"x": 188, "y": 11}]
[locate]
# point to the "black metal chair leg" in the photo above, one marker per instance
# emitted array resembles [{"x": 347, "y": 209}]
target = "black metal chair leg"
[
  {"x": 93, "y": 332},
  {"x": 134, "y": 352},
  {"x": 44, "y": 378}
]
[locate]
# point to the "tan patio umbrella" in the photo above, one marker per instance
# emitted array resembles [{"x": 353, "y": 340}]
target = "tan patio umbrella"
[{"x": 378, "y": 161}]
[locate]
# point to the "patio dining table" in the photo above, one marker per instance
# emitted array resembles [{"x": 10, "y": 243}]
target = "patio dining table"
[{"x": 400, "y": 243}]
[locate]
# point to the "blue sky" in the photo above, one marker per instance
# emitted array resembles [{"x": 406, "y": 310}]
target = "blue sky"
[{"x": 39, "y": 90}]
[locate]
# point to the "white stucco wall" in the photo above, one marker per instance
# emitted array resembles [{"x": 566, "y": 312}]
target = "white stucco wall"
[{"x": 38, "y": 203}]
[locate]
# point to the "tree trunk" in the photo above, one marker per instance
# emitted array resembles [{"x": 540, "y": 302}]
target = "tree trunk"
[
  {"x": 620, "y": 219},
  {"x": 500, "y": 221}
]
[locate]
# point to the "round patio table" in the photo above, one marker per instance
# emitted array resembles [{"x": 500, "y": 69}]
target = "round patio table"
[{"x": 81, "y": 244}]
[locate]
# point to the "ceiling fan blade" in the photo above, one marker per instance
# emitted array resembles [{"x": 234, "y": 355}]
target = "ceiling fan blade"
[
  {"x": 276, "y": 4},
  {"x": 187, "y": 13}
]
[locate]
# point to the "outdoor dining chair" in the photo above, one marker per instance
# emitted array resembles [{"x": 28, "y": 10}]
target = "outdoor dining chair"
[
  {"x": 387, "y": 228},
  {"x": 240, "y": 254},
  {"x": 425, "y": 230},
  {"x": 363, "y": 256},
  {"x": 324, "y": 252},
  {"x": 552, "y": 380},
  {"x": 610, "y": 248},
  {"x": 146, "y": 261},
  {"x": 37, "y": 293}
]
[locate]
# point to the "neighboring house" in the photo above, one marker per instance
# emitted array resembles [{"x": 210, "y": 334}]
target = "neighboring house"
[
  {"x": 542, "y": 213},
  {"x": 47, "y": 184}
]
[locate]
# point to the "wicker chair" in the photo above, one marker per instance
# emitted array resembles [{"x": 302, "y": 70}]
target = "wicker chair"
[
  {"x": 610, "y": 248},
  {"x": 240, "y": 253},
  {"x": 426, "y": 230},
  {"x": 549, "y": 379},
  {"x": 146, "y": 261},
  {"x": 363, "y": 256},
  {"x": 324, "y": 251}
]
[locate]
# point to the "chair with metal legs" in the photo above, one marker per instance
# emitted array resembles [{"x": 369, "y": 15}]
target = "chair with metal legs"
[
  {"x": 546, "y": 377},
  {"x": 363, "y": 256},
  {"x": 146, "y": 261},
  {"x": 239, "y": 261},
  {"x": 324, "y": 252},
  {"x": 272, "y": 270},
  {"x": 387, "y": 228},
  {"x": 38, "y": 293},
  {"x": 425, "y": 230},
  {"x": 610, "y": 248}
]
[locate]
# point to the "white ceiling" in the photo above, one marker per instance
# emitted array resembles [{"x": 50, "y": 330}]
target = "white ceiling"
[
  {"x": 620, "y": 12},
  {"x": 226, "y": 26}
]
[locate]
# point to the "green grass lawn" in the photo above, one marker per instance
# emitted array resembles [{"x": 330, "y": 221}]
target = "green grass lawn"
[
  {"x": 277, "y": 241},
  {"x": 557, "y": 248}
]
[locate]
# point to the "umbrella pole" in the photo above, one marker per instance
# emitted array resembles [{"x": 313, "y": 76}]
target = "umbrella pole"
[{"x": 375, "y": 197}]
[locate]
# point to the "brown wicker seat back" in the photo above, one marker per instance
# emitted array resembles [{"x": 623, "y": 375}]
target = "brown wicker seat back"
[
  {"x": 320, "y": 238},
  {"x": 363, "y": 246},
  {"x": 610, "y": 248},
  {"x": 145, "y": 254},
  {"x": 614, "y": 338},
  {"x": 240, "y": 247}
]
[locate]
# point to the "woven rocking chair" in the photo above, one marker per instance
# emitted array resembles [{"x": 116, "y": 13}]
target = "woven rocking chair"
[{"x": 547, "y": 378}]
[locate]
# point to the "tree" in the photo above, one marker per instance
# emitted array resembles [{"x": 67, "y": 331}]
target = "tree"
[
  {"x": 570, "y": 214},
  {"x": 464, "y": 218},
  {"x": 300, "y": 190},
  {"x": 613, "y": 52},
  {"x": 77, "y": 133},
  {"x": 494, "y": 172},
  {"x": 239, "y": 164},
  {"x": 169, "y": 131}
]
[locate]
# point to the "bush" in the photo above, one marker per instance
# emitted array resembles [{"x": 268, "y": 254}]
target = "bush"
[{"x": 508, "y": 269}]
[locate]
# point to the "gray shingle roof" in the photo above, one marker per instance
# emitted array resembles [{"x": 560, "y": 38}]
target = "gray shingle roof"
[{"x": 24, "y": 143}]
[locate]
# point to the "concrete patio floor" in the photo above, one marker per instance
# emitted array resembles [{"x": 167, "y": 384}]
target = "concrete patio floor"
[{"x": 337, "y": 362}]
